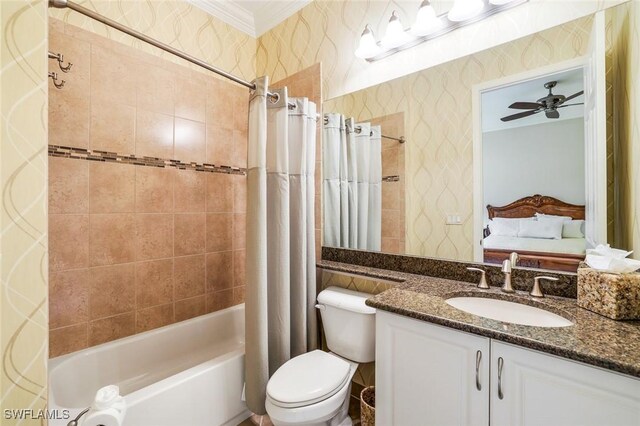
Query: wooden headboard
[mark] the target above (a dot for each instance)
(529, 206)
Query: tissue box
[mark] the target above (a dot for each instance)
(616, 296)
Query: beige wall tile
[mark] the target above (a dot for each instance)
(69, 120)
(154, 190)
(113, 77)
(219, 232)
(239, 194)
(239, 148)
(111, 238)
(111, 187)
(153, 236)
(219, 101)
(220, 150)
(67, 339)
(189, 140)
(189, 272)
(68, 242)
(155, 89)
(238, 295)
(68, 185)
(190, 99)
(189, 191)
(68, 298)
(150, 318)
(219, 271)
(154, 134)
(154, 283)
(220, 193)
(239, 258)
(239, 231)
(111, 290)
(189, 238)
(190, 308)
(219, 300)
(112, 127)
(112, 328)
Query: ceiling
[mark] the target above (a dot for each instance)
(495, 103)
(254, 17)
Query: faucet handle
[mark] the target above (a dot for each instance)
(483, 277)
(537, 291)
(506, 266)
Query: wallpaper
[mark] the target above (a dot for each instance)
(23, 212)
(623, 63)
(329, 31)
(438, 126)
(177, 23)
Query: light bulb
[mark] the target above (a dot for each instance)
(465, 9)
(368, 48)
(426, 20)
(499, 2)
(395, 35)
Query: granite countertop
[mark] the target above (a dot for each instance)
(593, 339)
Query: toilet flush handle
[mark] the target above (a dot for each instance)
(321, 307)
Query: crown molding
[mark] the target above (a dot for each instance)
(231, 13)
(253, 22)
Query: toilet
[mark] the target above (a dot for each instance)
(314, 388)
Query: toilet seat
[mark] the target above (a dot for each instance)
(308, 379)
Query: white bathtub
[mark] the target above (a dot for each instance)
(185, 374)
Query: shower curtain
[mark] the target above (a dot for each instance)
(280, 264)
(352, 184)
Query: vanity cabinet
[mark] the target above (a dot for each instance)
(429, 375)
(542, 389)
(432, 375)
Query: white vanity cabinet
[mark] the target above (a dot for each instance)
(542, 389)
(426, 374)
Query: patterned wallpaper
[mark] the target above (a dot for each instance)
(177, 23)
(623, 67)
(23, 213)
(438, 125)
(329, 31)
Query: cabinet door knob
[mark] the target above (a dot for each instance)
(478, 359)
(500, 365)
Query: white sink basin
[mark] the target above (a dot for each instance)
(505, 311)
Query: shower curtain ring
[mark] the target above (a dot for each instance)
(274, 97)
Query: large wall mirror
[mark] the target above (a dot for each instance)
(498, 152)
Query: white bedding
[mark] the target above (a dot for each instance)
(564, 245)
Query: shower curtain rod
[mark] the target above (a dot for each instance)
(61, 4)
(358, 129)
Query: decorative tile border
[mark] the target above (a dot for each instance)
(394, 178)
(96, 155)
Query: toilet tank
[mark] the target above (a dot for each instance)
(349, 324)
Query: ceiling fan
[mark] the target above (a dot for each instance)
(549, 104)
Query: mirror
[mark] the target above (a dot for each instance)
(435, 163)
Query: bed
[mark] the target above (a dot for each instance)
(564, 254)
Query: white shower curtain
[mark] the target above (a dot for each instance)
(280, 263)
(352, 178)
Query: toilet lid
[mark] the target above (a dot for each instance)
(307, 379)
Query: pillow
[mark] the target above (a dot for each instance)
(573, 229)
(542, 216)
(505, 227)
(550, 229)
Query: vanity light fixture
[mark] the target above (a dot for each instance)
(427, 21)
(395, 35)
(368, 48)
(428, 25)
(463, 10)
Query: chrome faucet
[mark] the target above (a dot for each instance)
(506, 268)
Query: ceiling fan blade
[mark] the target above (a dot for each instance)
(552, 114)
(519, 115)
(562, 106)
(525, 105)
(575, 95)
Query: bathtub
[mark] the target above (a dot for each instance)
(186, 374)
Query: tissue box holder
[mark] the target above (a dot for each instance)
(615, 296)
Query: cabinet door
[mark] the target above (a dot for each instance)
(541, 389)
(426, 374)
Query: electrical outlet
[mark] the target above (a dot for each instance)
(453, 219)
